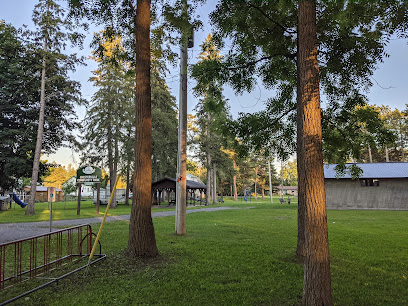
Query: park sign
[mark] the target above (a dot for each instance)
(89, 174)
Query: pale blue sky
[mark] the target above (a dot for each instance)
(390, 79)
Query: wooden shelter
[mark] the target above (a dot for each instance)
(164, 190)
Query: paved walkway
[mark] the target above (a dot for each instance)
(16, 231)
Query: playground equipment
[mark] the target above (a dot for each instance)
(18, 201)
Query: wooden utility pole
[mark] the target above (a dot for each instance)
(181, 185)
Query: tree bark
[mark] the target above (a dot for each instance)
(110, 146)
(270, 182)
(142, 240)
(387, 155)
(208, 190)
(235, 181)
(115, 167)
(370, 156)
(256, 176)
(317, 281)
(30, 210)
(127, 184)
(301, 244)
(214, 182)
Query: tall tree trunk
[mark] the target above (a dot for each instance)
(30, 210)
(270, 181)
(214, 182)
(129, 156)
(110, 146)
(256, 176)
(370, 156)
(115, 166)
(317, 281)
(235, 181)
(127, 183)
(142, 240)
(387, 155)
(209, 189)
(301, 243)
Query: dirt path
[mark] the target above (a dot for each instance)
(16, 231)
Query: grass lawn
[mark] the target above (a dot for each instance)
(68, 210)
(63, 211)
(244, 257)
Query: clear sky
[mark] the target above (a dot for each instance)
(390, 79)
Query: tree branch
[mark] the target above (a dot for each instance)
(270, 19)
(252, 63)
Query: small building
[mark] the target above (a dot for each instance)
(42, 193)
(164, 190)
(4, 202)
(380, 186)
(287, 190)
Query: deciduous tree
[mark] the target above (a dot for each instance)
(49, 19)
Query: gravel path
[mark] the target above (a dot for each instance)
(16, 231)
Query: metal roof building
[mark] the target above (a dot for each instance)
(372, 170)
(380, 186)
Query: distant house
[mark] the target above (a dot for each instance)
(287, 190)
(381, 186)
(42, 193)
(86, 191)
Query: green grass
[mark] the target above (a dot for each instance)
(68, 210)
(244, 257)
(63, 211)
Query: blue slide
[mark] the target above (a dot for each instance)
(18, 201)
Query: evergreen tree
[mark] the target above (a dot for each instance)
(106, 118)
(211, 111)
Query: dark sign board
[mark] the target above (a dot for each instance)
(89, 174)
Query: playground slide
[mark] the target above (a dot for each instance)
(18, 201)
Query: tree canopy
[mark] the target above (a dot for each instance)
(20, 69)
(263, 48)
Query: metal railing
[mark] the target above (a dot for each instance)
(28, 258)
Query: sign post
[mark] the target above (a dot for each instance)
(51, 198)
